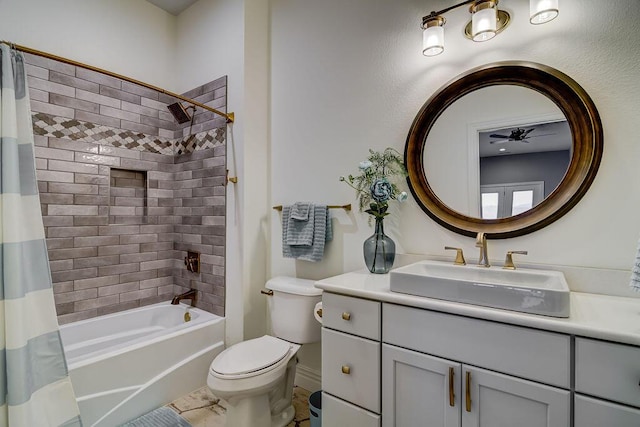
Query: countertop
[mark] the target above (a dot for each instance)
(605, 317)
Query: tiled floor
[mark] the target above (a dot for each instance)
(203, 409)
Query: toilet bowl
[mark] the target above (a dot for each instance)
(256, 377)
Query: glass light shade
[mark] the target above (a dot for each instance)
(541, 11)
(484, 24)
(433, 40)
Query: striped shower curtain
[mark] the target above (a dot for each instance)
(35, 389)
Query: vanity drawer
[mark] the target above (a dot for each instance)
(336, 413)
(351, 369)
(608, 370)
(351, 315)
(598, 413)
(528, 353)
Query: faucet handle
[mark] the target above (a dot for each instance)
(192, 261)
(508, 261)
(459, 255)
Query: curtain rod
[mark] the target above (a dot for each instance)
(230, 117)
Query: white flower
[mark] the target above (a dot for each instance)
(402, 197)
(365, 165)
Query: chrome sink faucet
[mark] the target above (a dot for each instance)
(481, 242)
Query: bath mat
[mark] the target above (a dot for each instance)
(161, 417)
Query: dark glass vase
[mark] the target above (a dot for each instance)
(379, 250)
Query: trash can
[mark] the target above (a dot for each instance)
(315, 409)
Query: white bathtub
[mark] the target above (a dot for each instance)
(125, 364)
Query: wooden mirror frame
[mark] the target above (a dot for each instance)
(586, 130)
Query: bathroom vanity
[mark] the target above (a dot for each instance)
(390, 359)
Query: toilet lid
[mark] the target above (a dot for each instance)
(250, 356)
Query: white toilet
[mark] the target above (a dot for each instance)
(255, 377)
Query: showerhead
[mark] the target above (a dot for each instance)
(179, 112)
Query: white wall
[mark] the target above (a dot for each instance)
(129, 37)
(348, 76)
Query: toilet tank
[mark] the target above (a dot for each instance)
(291, 309)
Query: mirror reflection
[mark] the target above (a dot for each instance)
(520, 166)
(497, 152)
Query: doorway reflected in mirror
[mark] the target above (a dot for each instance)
(520, 166)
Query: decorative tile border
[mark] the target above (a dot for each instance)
(82, 131)
(77, 130)
(201, 141)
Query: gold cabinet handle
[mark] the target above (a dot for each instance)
(346, 316)
(346, 369)
(452, 395)
(468, 391)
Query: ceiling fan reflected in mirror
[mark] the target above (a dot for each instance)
(517, 134)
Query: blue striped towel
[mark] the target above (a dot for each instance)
(300, 225)
(635, 272)
(322, 233)
(300, 211)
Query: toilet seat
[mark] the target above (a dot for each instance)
(250, 358)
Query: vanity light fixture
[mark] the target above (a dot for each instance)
(486, 21)
(433, 36)
(542, 11)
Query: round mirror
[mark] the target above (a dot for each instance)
(505, 149)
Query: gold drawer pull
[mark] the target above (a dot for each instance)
(346, 369)
(346, 316)
(468, 391)
(452, 395)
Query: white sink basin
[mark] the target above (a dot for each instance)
(530, 291)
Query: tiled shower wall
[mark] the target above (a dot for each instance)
(199, 200)
(114, 245)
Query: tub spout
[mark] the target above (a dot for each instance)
(190, 294)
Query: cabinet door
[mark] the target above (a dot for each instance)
(419, 390)
(495, 400)
(597, 413)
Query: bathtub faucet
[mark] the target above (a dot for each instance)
(190, 294)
